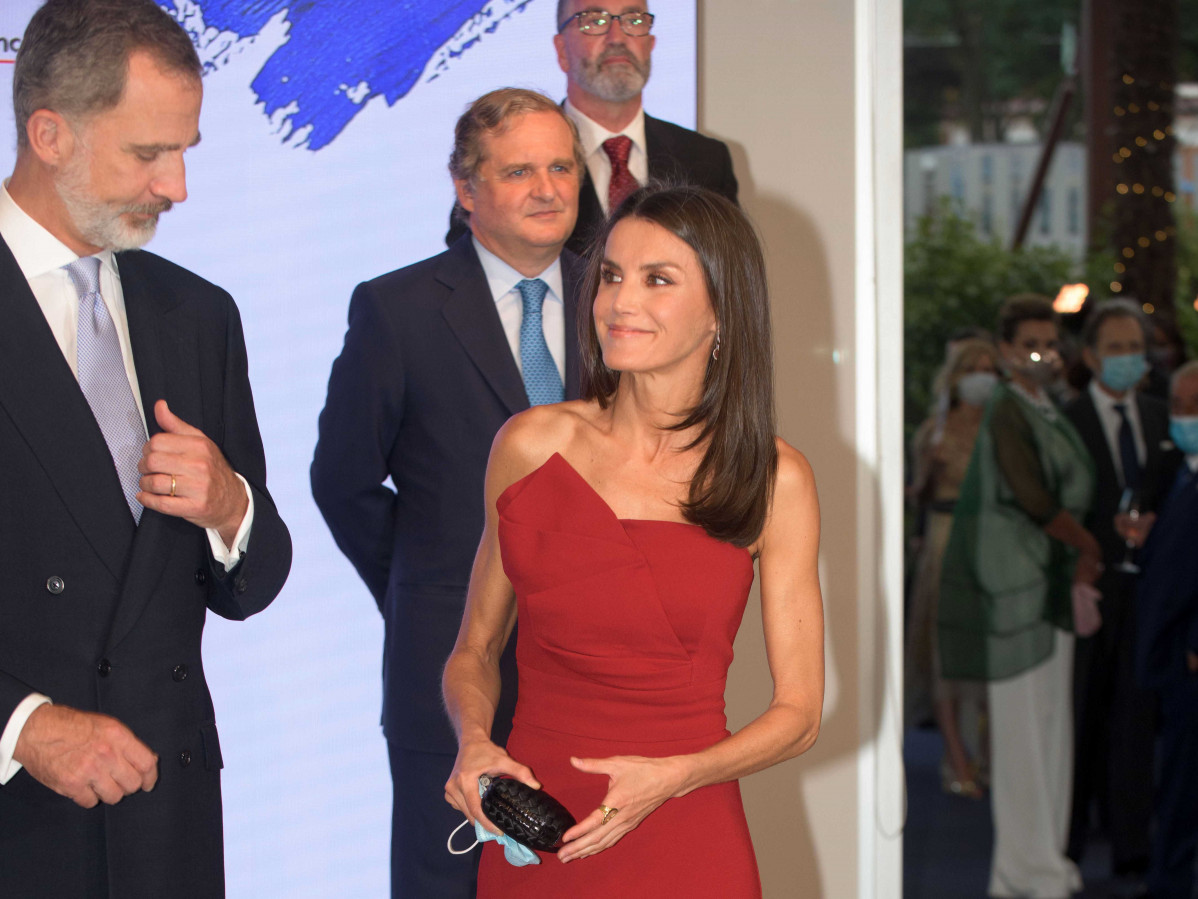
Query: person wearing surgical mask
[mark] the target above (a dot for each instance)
(1123, 429)
(942, 447)
(1016, 584)
(1167, 649)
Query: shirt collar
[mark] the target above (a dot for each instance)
(37, 251)
(592, 134)
(1106, 403)
(502, 278)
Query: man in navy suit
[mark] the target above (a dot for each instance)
(607, 58)
(1167, 651)
(115, 545)
(1123, 429)
(437, 357)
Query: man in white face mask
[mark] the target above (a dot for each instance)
(1123, 429)
(1167, 650)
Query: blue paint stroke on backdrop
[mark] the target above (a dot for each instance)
(339, 48)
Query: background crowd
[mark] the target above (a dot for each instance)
(1052, 634)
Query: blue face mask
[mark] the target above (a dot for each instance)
(516, 853)
(1183, 429)
(1122, 373)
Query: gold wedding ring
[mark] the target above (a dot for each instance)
(172, 485)
(608, 813)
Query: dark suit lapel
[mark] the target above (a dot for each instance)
(39, 393)
(661, 159)
(147, 308)
(1158, 468)
(470, 313)
(1093, 435)
(573, 271)
(590, 217)
(665, 156)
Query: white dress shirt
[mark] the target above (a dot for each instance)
(41, 257)
(592, 135)
(502, 279)
(1104, 403)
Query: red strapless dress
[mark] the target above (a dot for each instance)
(626, 632)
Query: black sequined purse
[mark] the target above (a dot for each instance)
(527, 815)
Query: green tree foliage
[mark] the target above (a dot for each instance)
(967, 60)
(955, 279)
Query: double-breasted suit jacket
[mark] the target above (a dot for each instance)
(106, 616)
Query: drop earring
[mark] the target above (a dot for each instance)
(715, 350)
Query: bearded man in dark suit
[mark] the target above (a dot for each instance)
(116, 545)
(607, 58)
(437, 357)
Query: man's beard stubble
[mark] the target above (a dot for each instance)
(101, 223)
(616, 84)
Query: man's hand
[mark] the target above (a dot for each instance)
(205, 492)
(86, 757)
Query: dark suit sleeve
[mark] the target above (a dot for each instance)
(357, 428)
(12, 693)
(727, 185)
(260, 574)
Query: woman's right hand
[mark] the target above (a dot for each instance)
(476, 758)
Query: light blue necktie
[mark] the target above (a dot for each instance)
(541, 378)
(103, 379)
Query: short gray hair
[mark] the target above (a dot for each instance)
(75, 55)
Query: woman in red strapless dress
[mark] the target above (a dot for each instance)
(622, 531)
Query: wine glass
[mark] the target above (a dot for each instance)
(1127, 526)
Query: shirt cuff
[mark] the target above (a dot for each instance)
(229, 557)
(12, 731)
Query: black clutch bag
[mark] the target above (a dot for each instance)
(528, 816)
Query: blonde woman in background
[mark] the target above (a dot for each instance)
(942, 448)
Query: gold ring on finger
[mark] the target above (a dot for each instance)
(172, 485)
(608, 813)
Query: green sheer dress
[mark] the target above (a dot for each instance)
(1006, 584)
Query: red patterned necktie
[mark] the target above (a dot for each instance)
(622, 183)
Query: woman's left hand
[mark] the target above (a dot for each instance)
(636, 786)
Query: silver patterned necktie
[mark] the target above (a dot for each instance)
(102, 377)
(541, 378)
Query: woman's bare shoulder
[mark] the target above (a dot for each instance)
(531, 437)
(795, 476)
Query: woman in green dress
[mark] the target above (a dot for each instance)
(1017, 582)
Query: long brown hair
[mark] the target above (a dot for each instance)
(730, 493)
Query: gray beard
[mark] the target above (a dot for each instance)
(617, 85)
(98, 222)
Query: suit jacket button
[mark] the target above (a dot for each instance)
(179, 673)
(55, 584)
(241, 585)
(104, 667)
(184, 758)
(201, 577)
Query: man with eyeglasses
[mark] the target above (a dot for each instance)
(605, 54)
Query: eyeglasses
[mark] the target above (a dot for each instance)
(598, 22)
